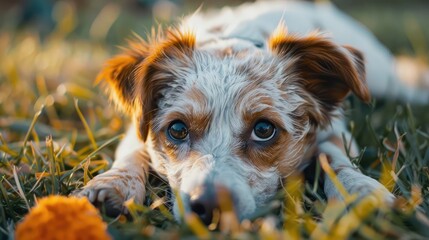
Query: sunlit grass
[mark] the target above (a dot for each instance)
(58, 130)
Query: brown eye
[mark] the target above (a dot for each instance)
(263, 131)
(177, 131)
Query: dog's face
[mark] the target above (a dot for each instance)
(227, 117)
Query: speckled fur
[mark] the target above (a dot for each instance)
(219, 87)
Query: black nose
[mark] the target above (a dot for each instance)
(204, 204)
(211, 199)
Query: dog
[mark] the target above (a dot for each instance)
(232, 102)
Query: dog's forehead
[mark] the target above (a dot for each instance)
(230, 69)
(220, 77)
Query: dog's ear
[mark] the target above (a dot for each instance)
(324, 69)
(136, 76)
(119, 74)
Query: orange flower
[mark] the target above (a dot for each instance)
(59, 217)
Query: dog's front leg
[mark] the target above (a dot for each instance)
(125, 180)
(349, 176)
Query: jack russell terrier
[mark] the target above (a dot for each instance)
(235, 101)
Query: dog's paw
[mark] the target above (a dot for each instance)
(109, 191)
(354, 181)
(358, 185)
(364, 186)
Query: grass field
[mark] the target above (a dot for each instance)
(58, 130)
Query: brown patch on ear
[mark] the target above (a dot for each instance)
(137, 76)
(358, 60)
(325, 70)
(155, 73)
(118, 73)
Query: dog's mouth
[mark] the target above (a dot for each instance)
(221, 192)
(218, 207)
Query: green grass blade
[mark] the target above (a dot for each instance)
(20, 191)
(86, 126)
(30, 130)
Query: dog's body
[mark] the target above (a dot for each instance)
(237, 107)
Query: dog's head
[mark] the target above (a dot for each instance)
(226, 116)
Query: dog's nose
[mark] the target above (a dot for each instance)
(204, 203)
(209, 199)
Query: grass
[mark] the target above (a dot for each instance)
(58, 130)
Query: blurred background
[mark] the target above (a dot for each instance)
(399, 24)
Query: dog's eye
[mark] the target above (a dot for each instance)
(263, 131)
(177, 130)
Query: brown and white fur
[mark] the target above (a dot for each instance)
(220, 78)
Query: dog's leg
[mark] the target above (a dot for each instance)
(125, 180)
(349, 176)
